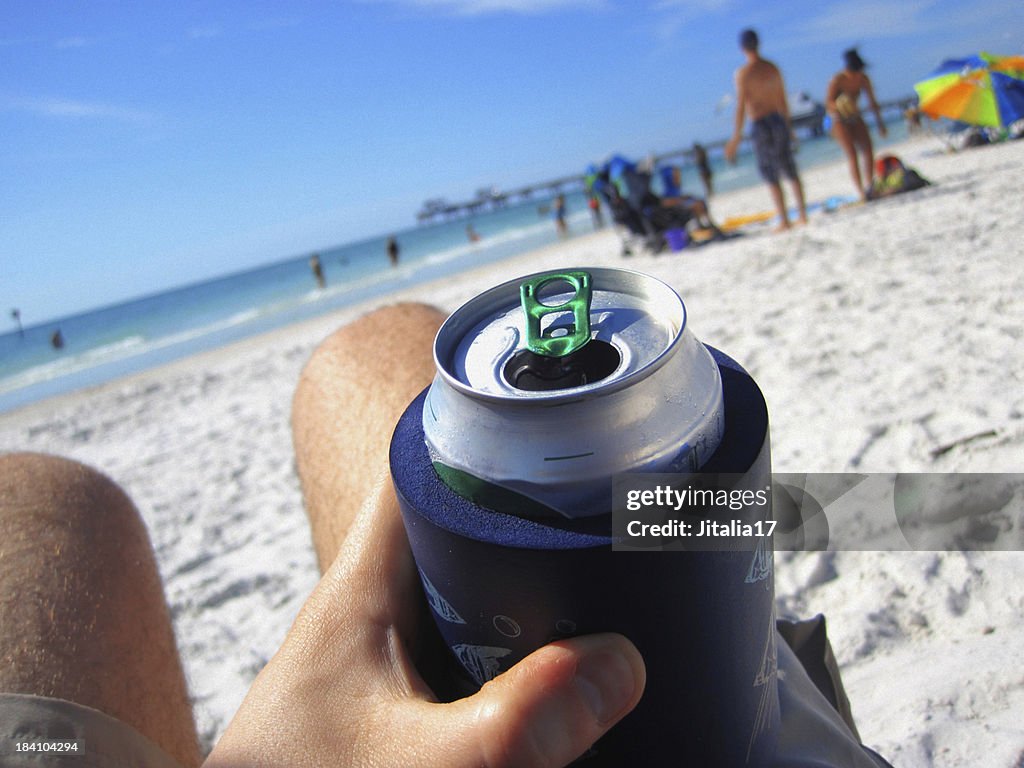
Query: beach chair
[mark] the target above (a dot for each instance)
(634, 232)
(641, 216)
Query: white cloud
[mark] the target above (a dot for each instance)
(850, 22)
(204, 32)
(693, 7)
(481, 7)
(73, 42)
(274, 23)
(74, 109)
(675, 15)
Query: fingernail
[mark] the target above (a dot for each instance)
(607, 683)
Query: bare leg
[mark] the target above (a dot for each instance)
(869, 165)
(700, 209)
(348, 400)
(801, 203)
(846, 141)
(82, 610)
(862, 141)
(779, 200)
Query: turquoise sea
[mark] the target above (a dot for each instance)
(109, 342)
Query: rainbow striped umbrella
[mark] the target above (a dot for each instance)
(980, 90)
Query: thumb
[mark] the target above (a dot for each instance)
(552, 706)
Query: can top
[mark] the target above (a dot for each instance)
(640, 317)
(527, 400)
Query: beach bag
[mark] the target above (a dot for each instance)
(893, 177)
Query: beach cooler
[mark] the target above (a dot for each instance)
(677, 239)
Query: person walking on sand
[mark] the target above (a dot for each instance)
(848, 126)
(392, 248)
(761, 94)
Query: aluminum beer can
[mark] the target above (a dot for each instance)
(546, 388)
(644, 394)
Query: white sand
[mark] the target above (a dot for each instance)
(881, 335)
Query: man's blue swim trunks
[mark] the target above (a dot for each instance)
(771, 138)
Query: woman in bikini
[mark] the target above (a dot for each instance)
(848, 127)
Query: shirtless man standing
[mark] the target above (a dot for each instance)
(761, 93)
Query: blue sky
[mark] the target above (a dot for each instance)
(147, 145)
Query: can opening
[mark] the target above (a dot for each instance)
(528, 371)
(559, 353)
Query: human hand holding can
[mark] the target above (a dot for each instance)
(547, 388)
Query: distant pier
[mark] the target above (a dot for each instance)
(491, 199)
(810, 120)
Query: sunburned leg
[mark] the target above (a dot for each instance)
(348, 400)
(82, 610)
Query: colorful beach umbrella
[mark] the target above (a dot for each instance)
(981, 90)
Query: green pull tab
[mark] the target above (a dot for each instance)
(546, 344)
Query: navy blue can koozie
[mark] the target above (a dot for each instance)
(513, 555)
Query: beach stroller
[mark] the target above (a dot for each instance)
(638, 212)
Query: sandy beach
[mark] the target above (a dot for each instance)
(886, 337)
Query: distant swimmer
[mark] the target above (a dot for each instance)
(913, 117)
(559, 214)
(848, 126)
(471, 234)
(317, 269)
(392, 249)
(761, 94)
(57, 339)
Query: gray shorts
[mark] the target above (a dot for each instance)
(771, 136)
(103, 741)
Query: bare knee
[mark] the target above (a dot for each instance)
(348, 400)
(58, 512)
(384, 332)
(31, 483)
(384, 357)
(82, 611)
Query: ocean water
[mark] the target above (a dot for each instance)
(110, 342)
